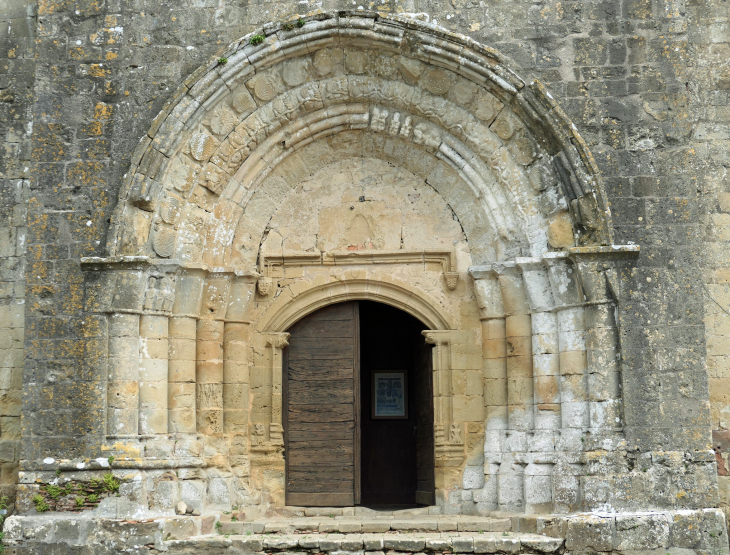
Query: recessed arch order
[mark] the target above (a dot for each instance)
(237, 136)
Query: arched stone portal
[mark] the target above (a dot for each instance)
(363, 156)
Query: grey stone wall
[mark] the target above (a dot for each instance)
(645, 81)
(17, 66)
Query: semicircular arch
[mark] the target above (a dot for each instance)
(435, 93)
(284, 313)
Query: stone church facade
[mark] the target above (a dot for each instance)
(541, 188)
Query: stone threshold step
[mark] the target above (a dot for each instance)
(292, 511)
(351, 525)
(409, 543)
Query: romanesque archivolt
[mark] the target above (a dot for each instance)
(239, 123)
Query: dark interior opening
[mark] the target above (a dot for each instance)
(397, 457)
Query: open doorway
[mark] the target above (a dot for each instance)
(397, 441)
(358, 409)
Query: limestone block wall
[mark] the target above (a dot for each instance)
(711, 139)
(17, 65)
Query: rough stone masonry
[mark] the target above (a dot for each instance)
(543, 184)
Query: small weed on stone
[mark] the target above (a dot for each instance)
(40, 503)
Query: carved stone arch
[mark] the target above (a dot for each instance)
(233, 125)
(282, 315)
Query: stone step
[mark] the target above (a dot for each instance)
(410, 542)
(231, 524)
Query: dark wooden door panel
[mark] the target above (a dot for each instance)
(324, 392)
(320, 414)
(329, 349)
(329, 369)
(321, 408)
(325, 328)
(334, 430)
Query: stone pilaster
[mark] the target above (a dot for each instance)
(277, 342)
(448, 434)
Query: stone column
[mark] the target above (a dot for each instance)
(568, 300)
(209, 376)
(571, 338)
(518, 333)
(520, 390)
(441, 383)
(153, 373)
(181, 374)
(494, 355)
(209, 366)
(546, 380)
(183, 351)
(277, 342)
(235, 357)
(599, 281)
(123, 382)
(236, 379)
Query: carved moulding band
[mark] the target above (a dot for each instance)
(125, 286)
(446, 259)
(595, 269)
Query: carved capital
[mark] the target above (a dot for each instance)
(215, 296)
(277, 340)
(437, 337)
(488, 292)
(537, 284)
(563, 279)
(160, 294)
(597, 270)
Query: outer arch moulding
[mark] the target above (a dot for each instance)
(537, 111)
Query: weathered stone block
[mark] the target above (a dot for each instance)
(178, 528)
(590, 532)
(641, 532)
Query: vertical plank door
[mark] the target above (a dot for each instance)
(321, 411)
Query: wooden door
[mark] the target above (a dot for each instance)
(321, 391)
